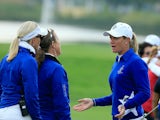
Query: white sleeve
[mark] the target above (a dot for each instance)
(154, 68)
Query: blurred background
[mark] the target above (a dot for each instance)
(86, 54)
(94, 16)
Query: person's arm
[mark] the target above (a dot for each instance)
(155, 100)
(86, 103)
(103, 101)
(0, 81)
(154, 68)
(30, 85)
(139, 73)
(1, 72)
(156, 97)
(60, 93)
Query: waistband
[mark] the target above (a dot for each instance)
(139, 118)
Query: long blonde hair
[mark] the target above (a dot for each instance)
(134, 43)
(153, 53)
(24, 29)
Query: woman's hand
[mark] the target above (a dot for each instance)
(121, 110)
(84, 104)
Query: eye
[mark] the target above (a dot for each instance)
(115, 38)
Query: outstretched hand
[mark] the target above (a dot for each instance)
(84, 104)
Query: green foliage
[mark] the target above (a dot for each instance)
(136, 2)
(20, 11)
(142, 17)
(93, 20)
(142, 22)
(88, 67)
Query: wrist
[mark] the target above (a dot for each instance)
(94, 102)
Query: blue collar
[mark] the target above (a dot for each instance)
(126, 55)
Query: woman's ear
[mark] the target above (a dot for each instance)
(127, 40)
(53, 44)
(31, 42)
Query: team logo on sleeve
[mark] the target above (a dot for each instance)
(64, 90)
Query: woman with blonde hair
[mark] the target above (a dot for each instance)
(129, 84)
(19, 76)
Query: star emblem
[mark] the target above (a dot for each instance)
(124, 100)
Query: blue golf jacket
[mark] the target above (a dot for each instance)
(53, 90)
(129, 84)
(20, 74)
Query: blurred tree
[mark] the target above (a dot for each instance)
(20, 10)
(123, 2)
(138, 4)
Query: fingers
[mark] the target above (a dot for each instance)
(84, 104)
(85, 100)
(78, 108)
(121, 110)
(119, 116)
(81, 100)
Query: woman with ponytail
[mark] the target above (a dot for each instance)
(52, 80)
(19, 76)
(128, 79)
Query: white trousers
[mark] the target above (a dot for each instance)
(12, 113)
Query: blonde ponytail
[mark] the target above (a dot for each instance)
(24, 29)
(13, 50)
(134, 43)
(153, 53)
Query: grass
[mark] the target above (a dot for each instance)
(4, 50)
(88, 67)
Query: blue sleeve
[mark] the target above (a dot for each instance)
(1, 62)
(30, 84)
(159, 107)
(60, 92)
(103, 101)
(0, 81)
(139, 74)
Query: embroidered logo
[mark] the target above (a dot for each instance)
(120, 71)
(64, 90)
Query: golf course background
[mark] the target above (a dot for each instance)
(88, 66)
